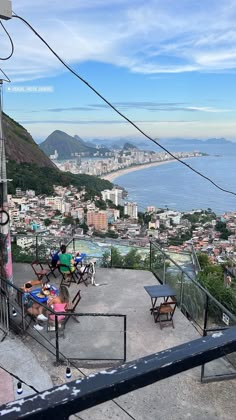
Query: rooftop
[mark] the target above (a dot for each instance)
(121, 291)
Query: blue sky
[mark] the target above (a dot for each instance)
(169, 65)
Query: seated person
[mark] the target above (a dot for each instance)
(55, 258)
(33, 308)
(66, 259)
(59, 303)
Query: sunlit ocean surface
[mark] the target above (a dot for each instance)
(176, 187)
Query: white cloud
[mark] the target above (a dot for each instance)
(140, 36)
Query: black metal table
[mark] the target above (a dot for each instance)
(159, 291)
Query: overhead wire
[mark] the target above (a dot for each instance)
(12, 45)
(119, 112)
(7, 78)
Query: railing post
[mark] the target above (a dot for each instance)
(125, 343)
(164, 272)
(57, 339)
(111, 256)
(150, 256)
(205, 332)
(73, 244)
(181, 289)
(36, 244)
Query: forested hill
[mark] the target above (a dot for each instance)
(29, 168)
(20, 146)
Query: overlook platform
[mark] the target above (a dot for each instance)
(122, 291)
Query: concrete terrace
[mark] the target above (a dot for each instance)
(122, 291)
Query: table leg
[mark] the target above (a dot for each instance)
(153, 302)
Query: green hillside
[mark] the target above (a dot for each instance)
(29, 176)
(29, 168)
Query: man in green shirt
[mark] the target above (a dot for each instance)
(67, 260)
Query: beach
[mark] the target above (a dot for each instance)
(113, 175)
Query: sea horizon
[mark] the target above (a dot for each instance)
(178, 188)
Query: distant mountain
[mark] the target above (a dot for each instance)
(128, 146)
(217, 141)
(29, 168)
(67, 146)
(178, 141)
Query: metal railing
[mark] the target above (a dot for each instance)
(207, 314)
(81, 337)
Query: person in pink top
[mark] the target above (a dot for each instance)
(59, 303)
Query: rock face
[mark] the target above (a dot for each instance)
(20, 146)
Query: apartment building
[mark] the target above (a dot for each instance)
(131, 209)
(98, 219)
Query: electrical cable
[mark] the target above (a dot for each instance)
(20, 380)
(12, 45)
(117, 111)
(5, 80)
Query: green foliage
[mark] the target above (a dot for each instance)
(69, 220)
(99, 234)
(101, 204)
(106, 259)
(116, 258)
(131, 260)
(200, 217)
(47, 222)
(110, 204)
(180, 239)
(203, 260)
(84, 226)
(212, 278)
(221, 227)
(112, 234)
(42, 179)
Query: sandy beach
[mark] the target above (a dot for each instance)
(113, 175)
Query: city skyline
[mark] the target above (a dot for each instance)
(168, 66)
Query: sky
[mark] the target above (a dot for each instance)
(170, 66)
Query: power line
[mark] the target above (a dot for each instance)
(7, 78)
(118, 112)
(12, 45)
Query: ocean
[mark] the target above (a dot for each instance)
(174, 186)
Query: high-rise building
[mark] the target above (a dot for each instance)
(115, 195)
(131, 209)
(98, 219)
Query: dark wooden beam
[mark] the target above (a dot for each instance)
(62, 401)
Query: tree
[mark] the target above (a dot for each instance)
(132, 259)
(116, 258)
(101, 204)
(106, 259)
(112, 234)
(47, 222)
(69, 220)
(84, 226)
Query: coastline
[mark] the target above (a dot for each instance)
(113, 175)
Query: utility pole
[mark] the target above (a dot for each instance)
(5, 240)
